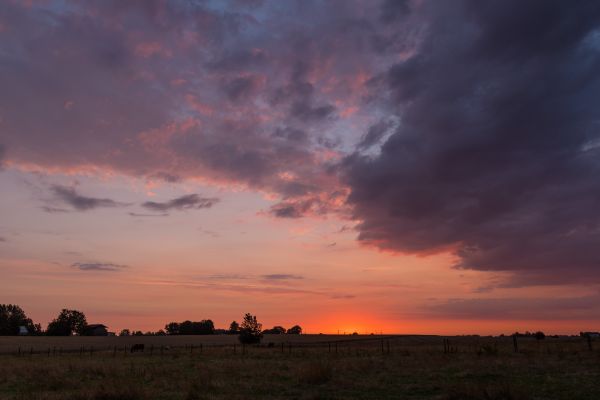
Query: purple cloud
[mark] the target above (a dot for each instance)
(190, 201)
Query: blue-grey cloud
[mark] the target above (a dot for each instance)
(133, 214)
(68, 195)
(189, 201)
(98, 266)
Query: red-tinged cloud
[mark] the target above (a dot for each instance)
(470, 127)
(164, 88)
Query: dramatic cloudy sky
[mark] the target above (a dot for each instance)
(396, 165)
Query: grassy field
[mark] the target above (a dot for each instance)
(314, 367)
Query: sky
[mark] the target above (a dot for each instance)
(395, 166)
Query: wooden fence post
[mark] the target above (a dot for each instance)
(515, 344)
(19, 351)
(589, 341)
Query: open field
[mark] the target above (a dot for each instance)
(400, 367)
(10, 344)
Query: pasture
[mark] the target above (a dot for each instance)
(298, 367)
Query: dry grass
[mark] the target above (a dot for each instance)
(415, 368)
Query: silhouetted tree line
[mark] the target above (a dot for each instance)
(539, 335)
(73, 322)
(204, 327)
(280, 330)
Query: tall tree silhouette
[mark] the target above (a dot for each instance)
(250, 330)
(67, 323)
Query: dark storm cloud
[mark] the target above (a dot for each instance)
(392, 10)
(496, 155)
(97, 266)
(189, 201)
(69, 195)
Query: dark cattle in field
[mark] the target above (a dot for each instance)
(137, 347)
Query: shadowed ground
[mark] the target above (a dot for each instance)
(403, 367)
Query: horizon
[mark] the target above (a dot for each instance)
(356, 166)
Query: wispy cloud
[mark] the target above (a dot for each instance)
(98, 266)
(69, 196)
(54, 210)
(190, 201)
(133, 214)
(228, 276)
(281, 277)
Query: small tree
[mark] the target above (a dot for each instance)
(125, 332)
(250, 330)
(539, 335)
(295, 330)
(234, 328)
(67, 323)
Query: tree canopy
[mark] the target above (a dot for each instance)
(276, 330)
(204, 327)
(295, 330)
(67, 323)
(12, 317)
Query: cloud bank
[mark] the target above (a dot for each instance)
(469, 127)
(495, 157)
